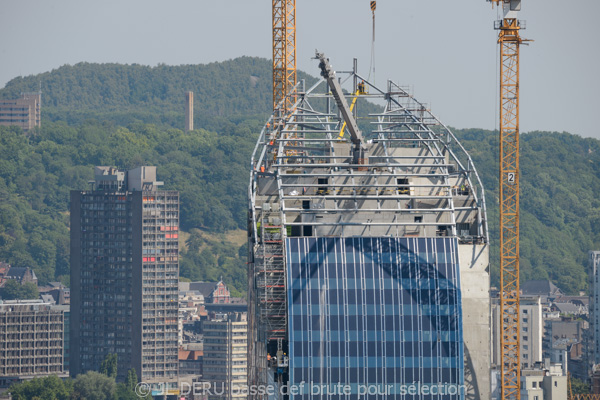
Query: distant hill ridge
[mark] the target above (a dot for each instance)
(129, 115)
(239, 86)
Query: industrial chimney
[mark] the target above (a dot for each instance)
(189, 111)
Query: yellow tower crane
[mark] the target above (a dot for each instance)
(509, 41)
(284, 53)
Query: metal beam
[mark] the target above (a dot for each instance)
(328, 73)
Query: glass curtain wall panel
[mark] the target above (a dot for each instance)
(374, 318)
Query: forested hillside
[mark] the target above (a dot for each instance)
(560, 207)
(239, 87)
(38, 171)
(129, 115)
(125, 94)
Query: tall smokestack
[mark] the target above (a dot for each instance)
(189, 111)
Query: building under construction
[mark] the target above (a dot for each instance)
(368, 249)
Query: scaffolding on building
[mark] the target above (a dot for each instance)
(270, 273)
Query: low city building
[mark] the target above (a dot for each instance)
(190, 362)
(66, 310)
(32, 341)
(22, 275)
(542, 288)
(553, 326)
(569, 309)
(213, 292)
(532, 331)
(544, 381)
(225, 356)
(59, 292)
(24, 112)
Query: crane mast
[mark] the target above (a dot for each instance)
(284, 53)
(509, 41)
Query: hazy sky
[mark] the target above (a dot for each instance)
(445, 51)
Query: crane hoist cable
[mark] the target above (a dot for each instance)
(372, 66)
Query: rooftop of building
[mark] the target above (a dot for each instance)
(18, 273)
(190, 355)
(28, 97)
(569, 308)
(47, 298)
(233, 316)
(582, 300)
(205, 289)
(8, 306)
(326, 171)
(542, 287)
(112, 179)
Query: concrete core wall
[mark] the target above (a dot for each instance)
(475, 287)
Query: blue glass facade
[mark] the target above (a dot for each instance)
(374, 318)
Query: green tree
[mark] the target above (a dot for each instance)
(13, 290)
(132, 379)
(109, 365)
(578, 386)
(50, 388)
(126, 115)
(124, 393)
(94, 386)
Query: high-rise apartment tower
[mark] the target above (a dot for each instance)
(124, 276)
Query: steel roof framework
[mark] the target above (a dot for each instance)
(304, 147)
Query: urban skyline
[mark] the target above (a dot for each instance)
(368, 255)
